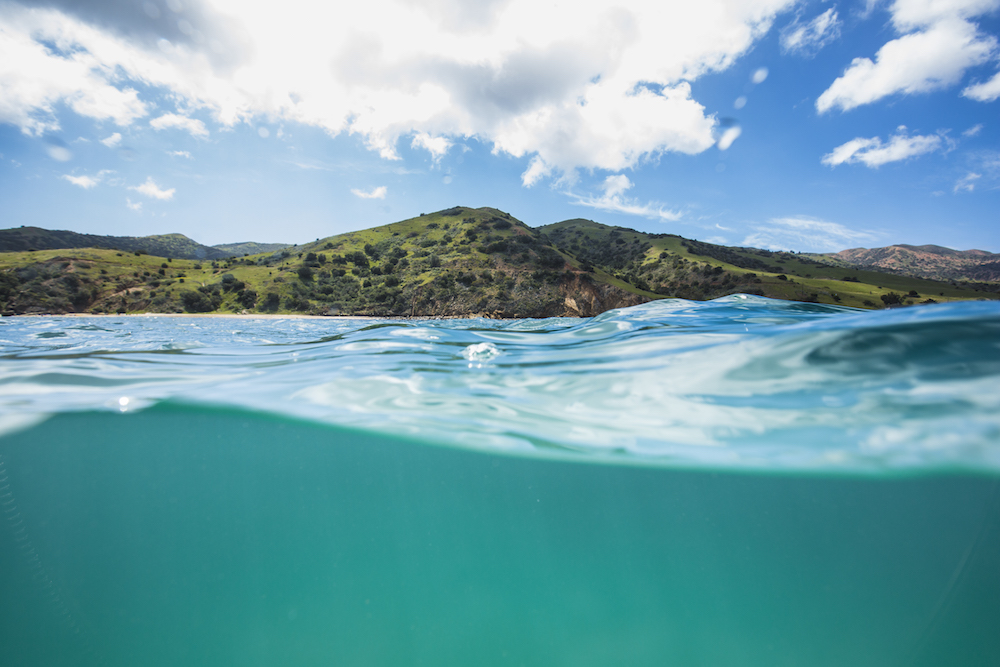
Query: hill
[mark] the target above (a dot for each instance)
(453, 263)
(926, 261)
(669, 265)
(457, 262)
(22, 239)
(249, 248)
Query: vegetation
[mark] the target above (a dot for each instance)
(457, 262)
(670, 265)
(164, 245)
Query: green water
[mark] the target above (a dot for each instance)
(183, 536)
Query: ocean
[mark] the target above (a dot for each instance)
(737, 482)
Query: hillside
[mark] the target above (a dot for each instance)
(672, 266)
(249, 248)
(458, 262)
(927, 261)
(22, 239)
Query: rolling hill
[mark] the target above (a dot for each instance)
(21, 239)
(453, 263)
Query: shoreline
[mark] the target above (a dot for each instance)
(278, 316)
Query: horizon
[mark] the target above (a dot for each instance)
(800, 126)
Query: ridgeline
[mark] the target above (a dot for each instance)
(460, 262)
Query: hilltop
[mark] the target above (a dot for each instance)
(456, 262)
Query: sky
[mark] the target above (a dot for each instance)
(808, 126)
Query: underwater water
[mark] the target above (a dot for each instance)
(738, 482)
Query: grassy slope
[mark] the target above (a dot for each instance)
(163, 245)
(456, 262)
(699, 270)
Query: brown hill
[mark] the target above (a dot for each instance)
(926, 261)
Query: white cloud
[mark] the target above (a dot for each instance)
(729, 135)
(172, 120)
(85, 182)
(938, 45)
(34, 79)
(135, 206)
(973, 131)
(613, 201)
(808, 38)
(113, 140)
(436, 146)
(601, 85)
(967, 183)
(374, 193)
(987, 91)
(919, 62)
(873, 153)
(806, 234)
(184, 154)
(152, 190)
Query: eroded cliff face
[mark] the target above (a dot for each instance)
(585, 298)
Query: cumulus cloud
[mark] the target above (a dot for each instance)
(113, 140)
(153, 191)
(171, 120)
(808, 38)
(973, 131)
(436, 146)
(806, 234)
(987, 91)
(604, 85)
(938, 45)
(613, 200)
(135, 206)
(873, 153)
(184, 154)
(375, 193)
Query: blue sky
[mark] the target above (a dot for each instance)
(811, 126)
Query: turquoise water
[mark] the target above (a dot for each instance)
(739, 482)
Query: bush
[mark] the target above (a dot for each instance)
(271, 301)
(305, 274)
(196, 302)
(891, 299)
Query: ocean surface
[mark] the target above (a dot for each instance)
(737, 482)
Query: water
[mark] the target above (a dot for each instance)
(739, 482)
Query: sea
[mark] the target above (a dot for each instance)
(739, 482)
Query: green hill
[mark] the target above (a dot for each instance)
(249, 248)
(670, 265)
(458, 262)
(21, 239)
(453, 263)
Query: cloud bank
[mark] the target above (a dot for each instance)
(604, 85)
